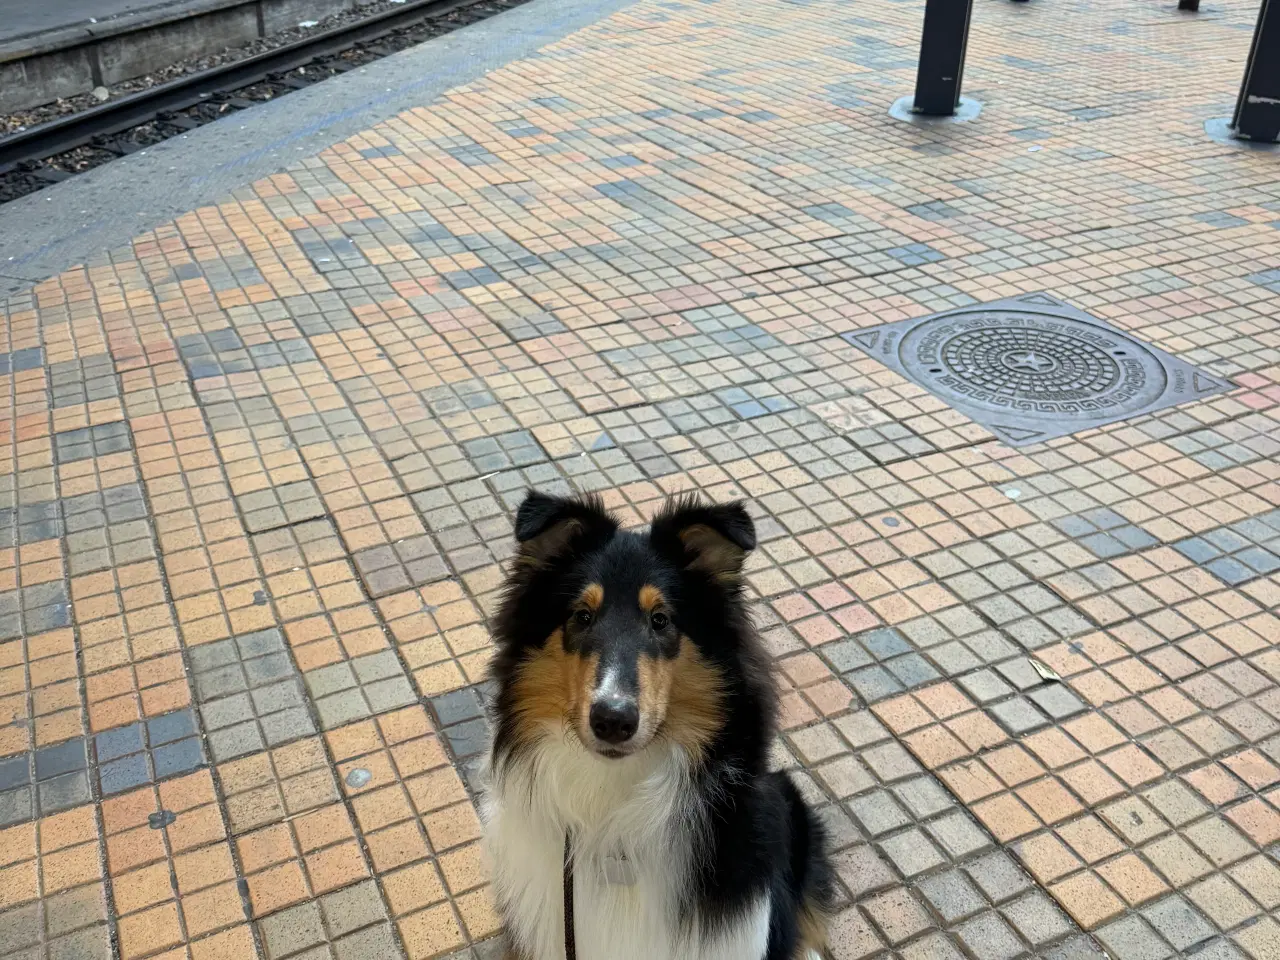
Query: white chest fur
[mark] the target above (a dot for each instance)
(638, 808)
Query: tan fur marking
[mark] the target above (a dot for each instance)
(553, 686)
(651, 598)
(694, 700)
(592, 596)
(813, 931)
(713, 553)
(655, 675)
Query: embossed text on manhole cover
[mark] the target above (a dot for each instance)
(1033, 368)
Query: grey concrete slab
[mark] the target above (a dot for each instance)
(79, 220)
(19, 18)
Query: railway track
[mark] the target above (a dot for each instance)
(59, 149)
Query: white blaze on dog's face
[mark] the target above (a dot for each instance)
(623, 665)
(630, 647)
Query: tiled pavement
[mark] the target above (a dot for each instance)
(259, 468)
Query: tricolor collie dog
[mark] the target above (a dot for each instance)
(628, 778)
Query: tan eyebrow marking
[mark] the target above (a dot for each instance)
(651, 598)
(592, 596)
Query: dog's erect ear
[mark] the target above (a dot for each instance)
(547, 526)
(713, 538)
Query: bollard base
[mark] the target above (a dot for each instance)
(902, 109)
(1220, 130)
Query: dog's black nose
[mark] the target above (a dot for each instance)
(614, 720)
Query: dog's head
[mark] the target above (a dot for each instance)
(622, 638)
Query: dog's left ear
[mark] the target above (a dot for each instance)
(547, 527)
(712, 537)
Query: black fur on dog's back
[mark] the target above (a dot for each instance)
(754, 833)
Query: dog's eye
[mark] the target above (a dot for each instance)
(659, 620)
(582, 618)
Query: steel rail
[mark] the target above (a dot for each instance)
(79, 129)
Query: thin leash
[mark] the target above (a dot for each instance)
(570, 944)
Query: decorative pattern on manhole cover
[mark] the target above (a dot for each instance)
(1033, 368)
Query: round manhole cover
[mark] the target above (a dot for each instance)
(1032, 368)
(1014, 360)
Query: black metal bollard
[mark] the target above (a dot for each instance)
(942, 47)
(1192, 5)
(1257, 115)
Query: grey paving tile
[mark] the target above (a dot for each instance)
(250, 695)
(414, 561)
(1037, 918)
(988, 937)
(292, 930)
(998, 876)
(17, 806)
(66, 790)
(1131, 936)
(352, 908)
(1180, 924)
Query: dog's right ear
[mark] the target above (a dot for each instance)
(546, 527)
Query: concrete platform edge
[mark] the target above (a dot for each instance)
(85, 31)
(73, 222)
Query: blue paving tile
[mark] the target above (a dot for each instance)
(1135, 538)
(63, 758)
(174, 758)
(1225, 540)
(1230, 570)
(1267, 278)
(457, 707)
(19, 360)
(1021, 63)
(913, 670)
(125, 774)
(934, 210)
(874, 683)
(15, 771)
(884, 643)
(1074, 526)
(1221, 219)
(847, 95)
(1197, 550)
(846, 655)
(1259, 560)
(1254, 529)
(914, 254)
(170, 726)
(467, 739)
(119, 742)
(474, 155)
(1104, 518)
(1103, 546)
